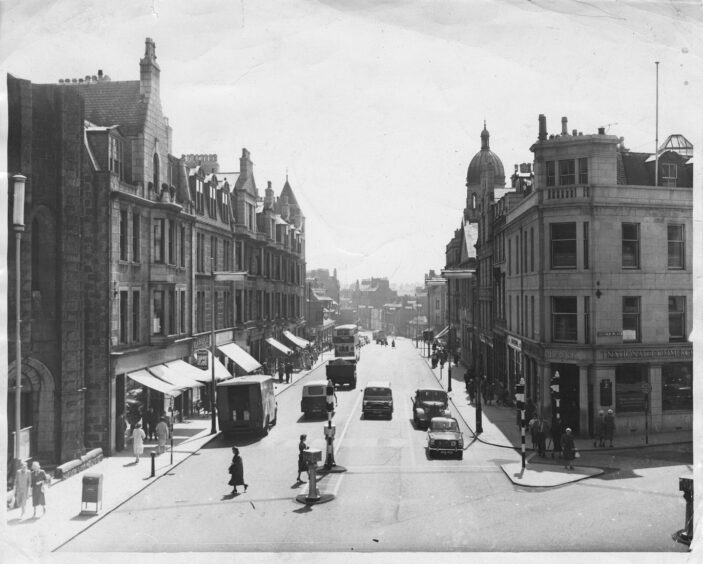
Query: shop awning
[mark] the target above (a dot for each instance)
(442, 333)
(280, 346)
(171, 376)
(240, 357)
(192, 372)
(299, 341)
(221, 372)
(150, 381)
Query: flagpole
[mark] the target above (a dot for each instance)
(656, 132)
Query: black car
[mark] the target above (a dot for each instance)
(429, 403)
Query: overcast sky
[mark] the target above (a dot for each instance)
(375, 108)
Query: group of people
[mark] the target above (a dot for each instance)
(157, 428)
(236, 467)
(487, 388)
(35, 480)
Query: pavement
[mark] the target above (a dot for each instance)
(500, 429)
(28, 538)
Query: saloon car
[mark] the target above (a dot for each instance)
(429, 403)
(444, 437)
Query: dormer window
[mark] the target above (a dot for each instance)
(668, 174)
(212, 204)
(115, 157)
(199, 196)
(224, 205)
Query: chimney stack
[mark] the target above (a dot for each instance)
(542, 128)
(601, 131)
(564, 130)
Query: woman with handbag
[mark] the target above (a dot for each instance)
(568, 449)
(40, 481)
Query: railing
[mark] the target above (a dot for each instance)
(568, 192)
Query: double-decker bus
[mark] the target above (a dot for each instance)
(345, 339)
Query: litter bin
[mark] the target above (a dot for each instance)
(92, 492)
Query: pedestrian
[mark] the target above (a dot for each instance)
(456, 359)
(236, 470)
(121, 430)
(280, 371)
(162, 434)
(289, 371)
(152, 419)
(472, 390)
(435, 359)
(530, 409)
(532, 426)
(334, 392)
(556, 435)
(599, 437)
(302, 465)
(568, 449)
(40, 481)
(489, 393)
(23, 481)
(138, 436)
(541, 436)
(467, 380)
(609, 426)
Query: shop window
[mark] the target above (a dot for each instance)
(563, 244)
(677, 319)
(676, 246)
(182, 253)
(587, 319)
(136, 315)
(585, 245)
(677, 386)
(564, 319)
(629, 396)
(631, 328)
(630, 245)
(668, 174)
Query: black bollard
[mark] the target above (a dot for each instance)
(153, 464)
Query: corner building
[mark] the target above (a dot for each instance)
(594, 280)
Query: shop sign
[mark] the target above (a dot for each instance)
(514, 342)
(648, 354)
(609, 333)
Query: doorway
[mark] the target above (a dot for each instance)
(569, 408)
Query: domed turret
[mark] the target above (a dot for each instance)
(482, 159)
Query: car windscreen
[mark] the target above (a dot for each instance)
(444, 426)
(315, 390)
(433, 395)
(377, 392)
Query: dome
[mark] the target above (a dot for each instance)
(481, 159)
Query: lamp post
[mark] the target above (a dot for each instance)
(450, 274)
(217, 277)
(18, 226)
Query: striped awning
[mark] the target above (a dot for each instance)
(298, 341)
(240, 357)
(171, 376)
(151, 381)
(280, 346)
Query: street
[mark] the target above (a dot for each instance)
(392, 497)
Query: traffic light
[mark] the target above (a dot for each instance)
(554, 385)
(520, 394)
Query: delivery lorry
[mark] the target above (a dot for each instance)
(246, 403)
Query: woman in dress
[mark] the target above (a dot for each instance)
(40, 482)
(138, 436)
(23, 481)
(568, 449)
(302, 465)
(236, 470)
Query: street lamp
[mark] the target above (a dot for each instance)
(217, 277)
(18, 226)
(450, 274)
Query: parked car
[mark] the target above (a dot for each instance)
(429, 403)
(377, 400)
(314, 398)
(444, 437)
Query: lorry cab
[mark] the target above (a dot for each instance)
(246, 403)
(377, 400)
(314, 398)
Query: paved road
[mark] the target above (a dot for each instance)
(392, 498)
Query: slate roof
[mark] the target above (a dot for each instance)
(288, 191)
(114, 103)
(635, 169)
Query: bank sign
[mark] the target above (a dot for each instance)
(648, 354)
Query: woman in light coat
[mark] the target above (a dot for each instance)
(162, 435)
(138, 436)
(40, 481)
(23, 481)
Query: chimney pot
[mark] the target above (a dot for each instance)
(542, 128)
(100, 73)
(564, 130)
(60, 80)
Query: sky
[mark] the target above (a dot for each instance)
(374, 109)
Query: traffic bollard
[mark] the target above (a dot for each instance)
(153, 464)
